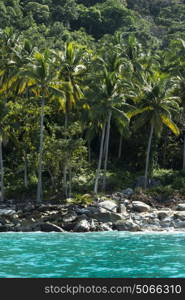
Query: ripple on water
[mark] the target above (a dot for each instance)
(106, 254)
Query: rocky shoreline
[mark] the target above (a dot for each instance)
(115, 212)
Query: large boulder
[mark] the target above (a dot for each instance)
(178, 224)
(107, 217)
(82, 226)
(127, 225)
(70, 217)
(6, 227)
(104, 227)
(181, 207)
(162, 214)
(49, 227)
(140, 206)
(179, 215)
(167, 222)
(7, 212)
(107, 205)
(128, 192)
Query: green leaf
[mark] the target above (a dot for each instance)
(170, 124)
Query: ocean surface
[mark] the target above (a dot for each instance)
(92, 255)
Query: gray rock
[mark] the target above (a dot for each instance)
(181, 207)
(49, 227)
(7, 212)
(107, 205)
(70, 217)
(121, 208)
(140, 206)
(127, 225)
(104, 227)
(128, 192)
(162, 214)
(179, 224)
(107, 217)
(6, 227)
(179, 215)
(82, 226)
(167, 222)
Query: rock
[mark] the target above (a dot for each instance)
(104, 227)
(49, 227)
(47, 207)
(7, 212)
(121, 208)
(167, 222)
(70, 217)
(179, 215)
(82, 226)
(127, 225)
(163, 214)
(107, 205)
(128, 192)
(140, 206)
(7, 227)
(179, 224)
(181, 207)
(107, 217)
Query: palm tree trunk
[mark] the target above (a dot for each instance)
(39, 185)
(25, 172)
(184, 153)
(2, 170)
(65, 182)
(120, 146)
(100, 161)
(89, 152)
(148, 155)
(70, 182)
(106, 149)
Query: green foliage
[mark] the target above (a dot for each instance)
(87, 59)
(80, 199)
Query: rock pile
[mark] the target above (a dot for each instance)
(114, 213)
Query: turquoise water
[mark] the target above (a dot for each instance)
(92, 255)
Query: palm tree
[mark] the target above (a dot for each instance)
(175, 64)
(109, 98)
(155, 104)
(39, 76)
(71, 71)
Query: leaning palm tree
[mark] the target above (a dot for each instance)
(155, 105)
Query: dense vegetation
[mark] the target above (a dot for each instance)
(91, 96)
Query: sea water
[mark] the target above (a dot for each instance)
(92, 255)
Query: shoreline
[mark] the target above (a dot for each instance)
(107, 214)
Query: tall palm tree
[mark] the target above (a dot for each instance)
(39, 76)
(109, 98)
(155, 105)
(71, 71)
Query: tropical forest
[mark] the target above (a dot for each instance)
(92, 97)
